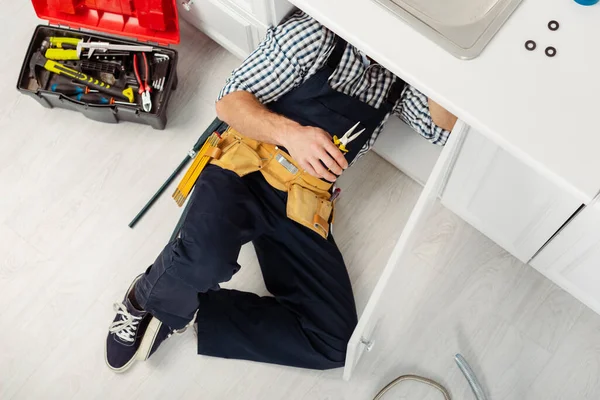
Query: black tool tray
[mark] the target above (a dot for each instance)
(39, 87)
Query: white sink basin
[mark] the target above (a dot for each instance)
(463, 27)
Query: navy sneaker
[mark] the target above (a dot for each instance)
(133, 335)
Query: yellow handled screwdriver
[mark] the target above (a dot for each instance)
(91, 82)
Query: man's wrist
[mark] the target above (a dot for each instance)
(283, 130)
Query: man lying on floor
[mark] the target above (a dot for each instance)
(272, 186)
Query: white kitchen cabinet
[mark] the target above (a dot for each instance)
(237, 25)
(268, 12)
(572, 258)
(505, 199)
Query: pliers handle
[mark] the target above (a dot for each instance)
(144, 89)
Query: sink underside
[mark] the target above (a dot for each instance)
(462, 27)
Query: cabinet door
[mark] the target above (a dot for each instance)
(572, 258)
(365, 334)
(269, 12)
(224, 25)
(505, 199)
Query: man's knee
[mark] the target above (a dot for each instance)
(202, 263)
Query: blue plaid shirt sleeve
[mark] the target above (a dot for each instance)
(413, 109)
(280, 62)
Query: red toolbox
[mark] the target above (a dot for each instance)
(90, 65)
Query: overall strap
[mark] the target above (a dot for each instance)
(395, 92)
(336, 54)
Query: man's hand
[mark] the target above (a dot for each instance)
(309, 146)
(314, 150)
(441, 117)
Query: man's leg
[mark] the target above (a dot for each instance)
(223, 215)
(309, 320)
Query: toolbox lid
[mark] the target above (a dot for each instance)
(147, 20)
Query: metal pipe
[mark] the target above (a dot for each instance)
(471, 377)
(214, 126)
(159, 192)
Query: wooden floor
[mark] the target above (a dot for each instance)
(69, 187)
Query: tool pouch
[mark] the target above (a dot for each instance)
(308, 197)
(310, 210)
(237, 155)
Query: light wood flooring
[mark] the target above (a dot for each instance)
(69, 186)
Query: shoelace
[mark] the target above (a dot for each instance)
(127, 326)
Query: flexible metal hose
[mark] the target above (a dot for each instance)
(416, 378)
(471, 378)
(465, 368)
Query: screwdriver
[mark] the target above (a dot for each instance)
(71, 90)
(95, 98)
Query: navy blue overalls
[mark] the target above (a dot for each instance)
(311, 315)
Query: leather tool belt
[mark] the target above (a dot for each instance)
(308, 197)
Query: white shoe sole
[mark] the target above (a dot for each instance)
(143, 351)
(148, 340)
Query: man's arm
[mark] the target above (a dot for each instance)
(425, 116)
(276, 67)
(311, 147)
(251, 118)
(440, 116)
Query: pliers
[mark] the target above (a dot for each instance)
(144, 90)
(347, 138)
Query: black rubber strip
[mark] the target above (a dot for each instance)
(553, 25)
(530, 45)
(550, 51)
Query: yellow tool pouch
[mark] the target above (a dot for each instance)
(238, 154)
(308, 197)
(309, 209)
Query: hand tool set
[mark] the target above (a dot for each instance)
(107, 78)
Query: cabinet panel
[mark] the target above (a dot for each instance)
(267, 12)
(279, 10)
(237, 25)
(224, 25)
(505, 199)
(244, 4)
(572, 258)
